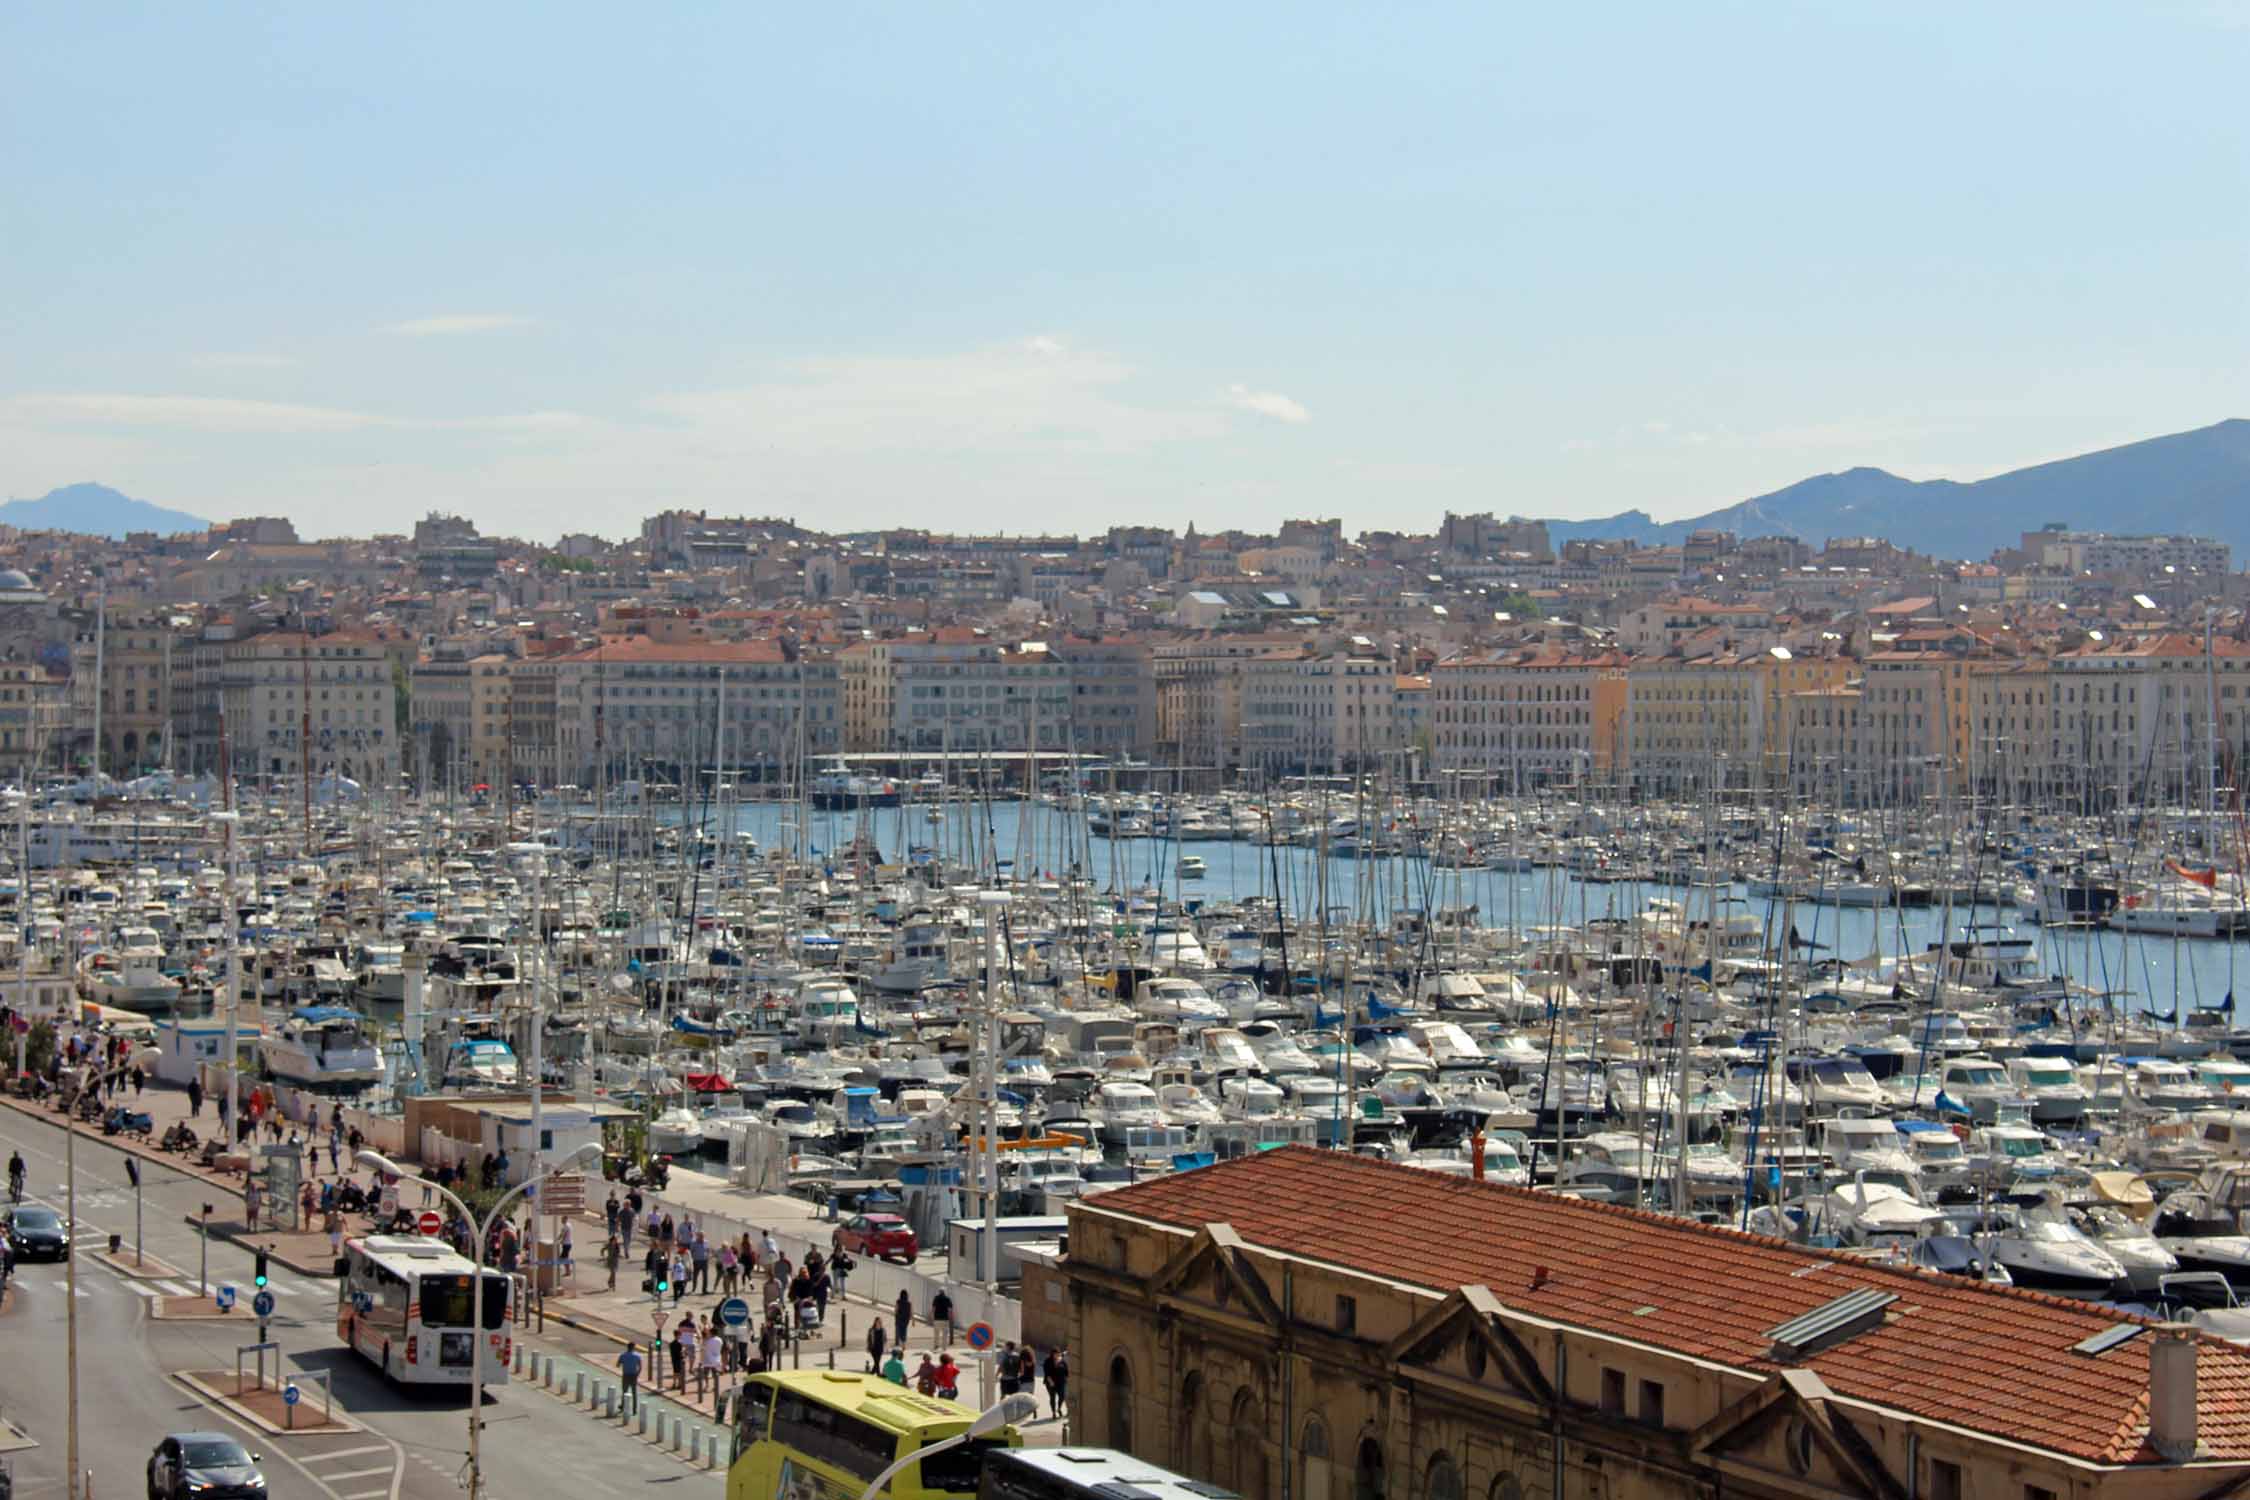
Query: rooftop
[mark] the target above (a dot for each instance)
(1993, 1360)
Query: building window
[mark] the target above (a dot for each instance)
(1347, 1314)
(1367, 1471)
(1312, 1447)
(1945, 1480)
(1444, 1481)
(1652, 1402)
(2037, 1492)
(1613, 1392)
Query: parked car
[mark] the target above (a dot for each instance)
(884, 1236)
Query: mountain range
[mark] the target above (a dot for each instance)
(2193, 483)
(96, 510)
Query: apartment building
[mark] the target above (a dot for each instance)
(1318, 711)
(1198, 685)
(34, 708)
(1112, 702)
(313, 704)
(635, 701)
(1537, 715)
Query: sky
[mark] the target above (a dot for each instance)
(1060, 267)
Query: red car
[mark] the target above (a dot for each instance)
(884, 1236)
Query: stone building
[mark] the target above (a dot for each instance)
(1311, 1325)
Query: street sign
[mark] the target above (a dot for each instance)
(226, 1297)
(429, 1223)
(289, 1394)
(262, 1305)
(735, 1311)
(980, 1336)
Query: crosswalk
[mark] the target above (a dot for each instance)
(355, 1471)
(279, 1286)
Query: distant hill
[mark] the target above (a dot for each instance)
(2195, 483)
(96, 510)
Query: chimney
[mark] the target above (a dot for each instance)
(2171, 1392)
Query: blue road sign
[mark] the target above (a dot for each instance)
(262, 1304)
(980, 1336)
(289, 1394)
(734, 1312)
(226, 1297)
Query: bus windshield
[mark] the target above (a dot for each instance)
(833, 1432)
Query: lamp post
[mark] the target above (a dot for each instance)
(1010, 1410)
(583, 1156)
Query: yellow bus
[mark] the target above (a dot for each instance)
(825, 1434)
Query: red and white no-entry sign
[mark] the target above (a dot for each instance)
(429, 1223)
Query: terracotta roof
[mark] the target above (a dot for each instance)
(1994, 1360)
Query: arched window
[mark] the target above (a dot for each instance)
(1246, 1442)
(1312, 1448)
(1367, 1471)
(1121, 1404)
(1191, 1454)
(1505, 1487)
(1444, 1481)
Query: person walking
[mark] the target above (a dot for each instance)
(564, 1264)
(714, 1360)
(629, 1381)
(682, 1338)
(1011, 1375)
(1057, 1374)
(728, 1269)
(612, 1253)
(902, 1319)
(625, 1223)
(700, 1252)
(609, 1213)
(874, 1346)
(941, 1312)
(195, 1098)
(840, 1266)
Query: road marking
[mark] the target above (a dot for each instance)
(321, 1458)
(366, 1495)
(348, 1473)
(171, 1289)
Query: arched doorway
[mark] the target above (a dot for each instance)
(1121, 1404)
(1444, 1479)
(1191, 1453)
(1312, 1452)
(1246, 1445)
(1367, 1471)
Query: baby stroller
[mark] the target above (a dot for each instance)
(808, 1318)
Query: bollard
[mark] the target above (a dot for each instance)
(642, 1426)
(578, 1398)
(679, 1428)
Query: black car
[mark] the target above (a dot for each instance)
(36, 1232)
(203, 1466)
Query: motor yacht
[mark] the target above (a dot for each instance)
(321, 1047)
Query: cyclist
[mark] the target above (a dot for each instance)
(15, 1176)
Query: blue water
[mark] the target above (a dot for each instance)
(2156, 973)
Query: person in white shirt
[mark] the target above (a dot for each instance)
(714, 1353)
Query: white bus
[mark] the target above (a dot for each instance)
(404, 1303)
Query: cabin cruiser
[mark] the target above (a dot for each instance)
(2048, 1253)
(2128, 1241)
(2052, 1087)
(1937, 1154)
(675, 1132)
(1979, 1085)
(1836, 1083)
(2203, 1237)
(321, 1046)
(1185, 1104)
(1121, 1102)
(1866, 1145)
(482, 1062)
(2163, 1083)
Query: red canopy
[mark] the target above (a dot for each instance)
(708, 1083)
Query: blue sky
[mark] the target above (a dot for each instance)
(1024, 267)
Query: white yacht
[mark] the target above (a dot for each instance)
(675, 1132)
(321, 1047)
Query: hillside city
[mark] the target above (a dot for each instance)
(1858, 672)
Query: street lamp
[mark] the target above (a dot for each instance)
(584, 1156)
(1012, 1409)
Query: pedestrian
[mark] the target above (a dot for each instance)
(612, 1253)
(1057, 1373)
(1011, 1380)
(669, 1233)
(727, 1270)
(679, 1347)
(564, 1265)
(770, 1294)
(625, 1222)
(609, 1213)
(714, 1355)
(894, 1369)
(194, 1098)
(138, 1080)
(925, 1376)
(941, 1312)
(817, 1288)
(629, 1380)
(681, 1270)
(250, 1204)
(305, 1204)
(874, 1346)
(840, 1266)
(902, 1318)
(772, 1250)
(948, 1376)
(652, 1266)
(333, 1153)
(335, 1227)
(700, 1253)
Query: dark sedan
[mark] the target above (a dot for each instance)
(203, 1466)
(37, 1233)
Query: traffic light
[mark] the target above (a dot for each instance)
(663, 1281)
(258, 1275)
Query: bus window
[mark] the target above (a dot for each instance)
(495, 1302)
(832, 1436)
(955, 1471)
(753, 1409)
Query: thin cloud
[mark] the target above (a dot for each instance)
(1267, 404)
(226, 360)
(451, 323)
(223, 414)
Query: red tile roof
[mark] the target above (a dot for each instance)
(1993, 1360)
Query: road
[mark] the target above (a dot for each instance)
(415, 1445)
